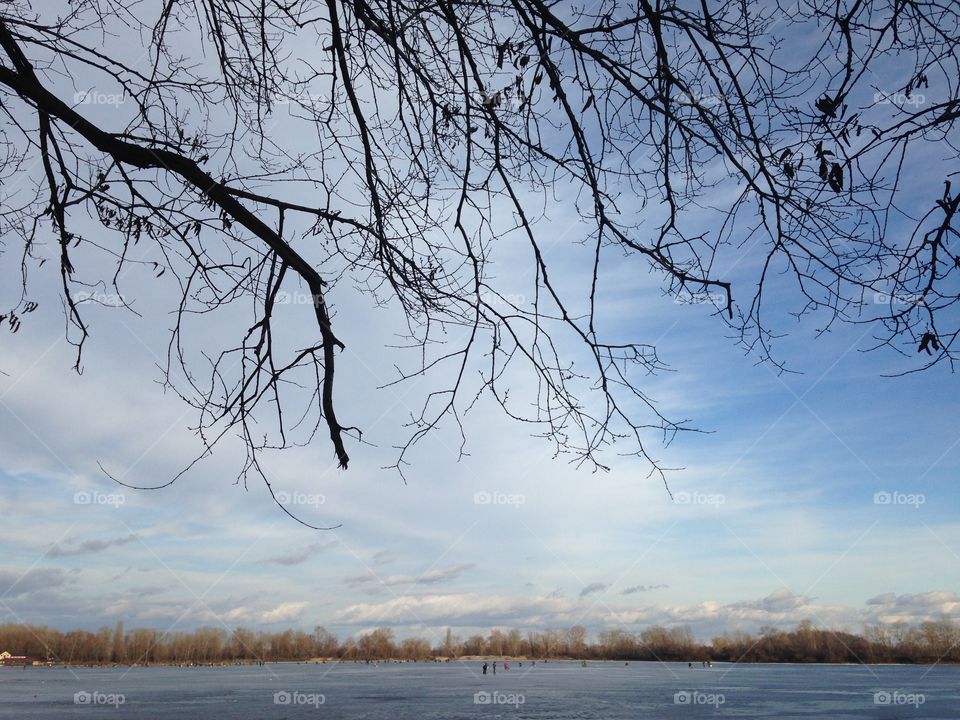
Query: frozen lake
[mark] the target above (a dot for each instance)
(430, 691)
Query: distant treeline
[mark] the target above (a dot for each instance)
(927, 643)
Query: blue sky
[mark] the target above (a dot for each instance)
(774, 517)
(828, 493)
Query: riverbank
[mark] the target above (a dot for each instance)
(516, 661)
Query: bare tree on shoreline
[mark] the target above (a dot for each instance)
(931, 641)
(684, 134)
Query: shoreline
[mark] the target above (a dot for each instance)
(696, 664)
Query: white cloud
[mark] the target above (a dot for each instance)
(430, 577)
(285, 612)
(780, 608)
(912, 608)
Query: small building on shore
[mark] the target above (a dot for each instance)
(8, 659)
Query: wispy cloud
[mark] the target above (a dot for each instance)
(642, 588)
(431, 577)
(14, 584)
(593, 588)
(87, 547)
(383, 557)
(297, 556)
